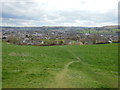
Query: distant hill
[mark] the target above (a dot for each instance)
(59, 28)
(111, 27)
(107, 27)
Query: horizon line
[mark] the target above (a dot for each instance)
(57, 26)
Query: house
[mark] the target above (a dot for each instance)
(109, 41)
(42, 42)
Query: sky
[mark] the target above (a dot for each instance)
(89, 13)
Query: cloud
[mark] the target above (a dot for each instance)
(59, 12)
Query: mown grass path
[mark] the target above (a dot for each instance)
(60, 78)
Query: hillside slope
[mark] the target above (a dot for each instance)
(87, 66)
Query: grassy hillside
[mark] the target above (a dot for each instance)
(87, 66)
(93, 31)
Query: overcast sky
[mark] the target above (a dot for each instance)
(59, 12)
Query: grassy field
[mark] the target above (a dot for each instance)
(87, 66)
(93, 31)
(0, 64)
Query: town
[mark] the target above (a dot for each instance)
(48, 36)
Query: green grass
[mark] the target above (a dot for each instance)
(92, 66)
(0, 64)
(112, 31)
